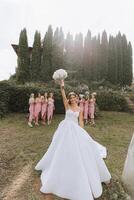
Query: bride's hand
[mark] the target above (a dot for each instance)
(62, 83)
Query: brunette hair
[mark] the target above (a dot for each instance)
(71, 94)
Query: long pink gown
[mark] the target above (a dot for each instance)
(86, 107)
(37, 107)
(81, 104)
(31, 109)
(91, 108)
(50, 108)
(44, 108)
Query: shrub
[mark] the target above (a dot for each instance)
(4, 98)
(112, 101)
(14, 98)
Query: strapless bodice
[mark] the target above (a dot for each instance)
(72, 115)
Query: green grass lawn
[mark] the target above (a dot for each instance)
(22, 146)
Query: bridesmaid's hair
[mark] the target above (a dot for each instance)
(31, 95)
(87, 97)
(50, 94)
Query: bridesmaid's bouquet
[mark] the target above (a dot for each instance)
(59, 75)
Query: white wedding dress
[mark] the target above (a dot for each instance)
(73, 166)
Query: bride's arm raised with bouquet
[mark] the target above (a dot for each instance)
(59, 76)
(65, 100)
(66, 105)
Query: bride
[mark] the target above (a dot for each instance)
(73, 166)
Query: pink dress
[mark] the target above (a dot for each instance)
(81, 104)
(44, 108)
(37, 109)
(86, 107)
(50, 108)
(31, 109)
(91, 108)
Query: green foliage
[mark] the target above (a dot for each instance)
(110, 100)
(89, 59)
(23, 69)
(3, 103)
(35, 66)
(114, 191)
(46, 61)
(14, 98)
(58, 49)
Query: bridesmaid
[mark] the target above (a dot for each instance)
(50, 108)
(37, 109)
(31, 110)
(44, 102)
(92, 102)
(86, 107)
(81, 103)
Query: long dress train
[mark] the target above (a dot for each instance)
(73, 166)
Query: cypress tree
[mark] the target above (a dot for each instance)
(46, 62)
(78, 55)
(129, 73)
(125, 74)
(104, 56)
(87, 57)
(112, 61)
(36, 58)
(94, 66)
(55, 53)
(119, 59)
(69, 55)
(23, 69)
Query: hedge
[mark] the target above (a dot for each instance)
(14, 98)
(111, 101)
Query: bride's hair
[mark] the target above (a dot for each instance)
(71, 94)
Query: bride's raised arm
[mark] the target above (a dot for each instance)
(65, 101)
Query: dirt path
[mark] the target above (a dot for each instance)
(11, 191)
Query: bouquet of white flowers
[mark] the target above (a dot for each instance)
(59, 75)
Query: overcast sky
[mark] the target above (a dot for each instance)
(73, 15)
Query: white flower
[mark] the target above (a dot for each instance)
(94, 93)
(81, 95)
(87, 93)
(59, 74)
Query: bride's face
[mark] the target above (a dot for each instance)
(72, 99)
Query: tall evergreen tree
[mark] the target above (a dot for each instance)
(129, 72)
(36, 58)
(125, 60)
(61, 47)
(23, 69)
(58, 49)
(96, 60)
(112, 61)
(87, 57)
(104, 56)
(98, 57)
(46, 62)
(119, 59)
(94, 68)
(69, 55)
(78, 54)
